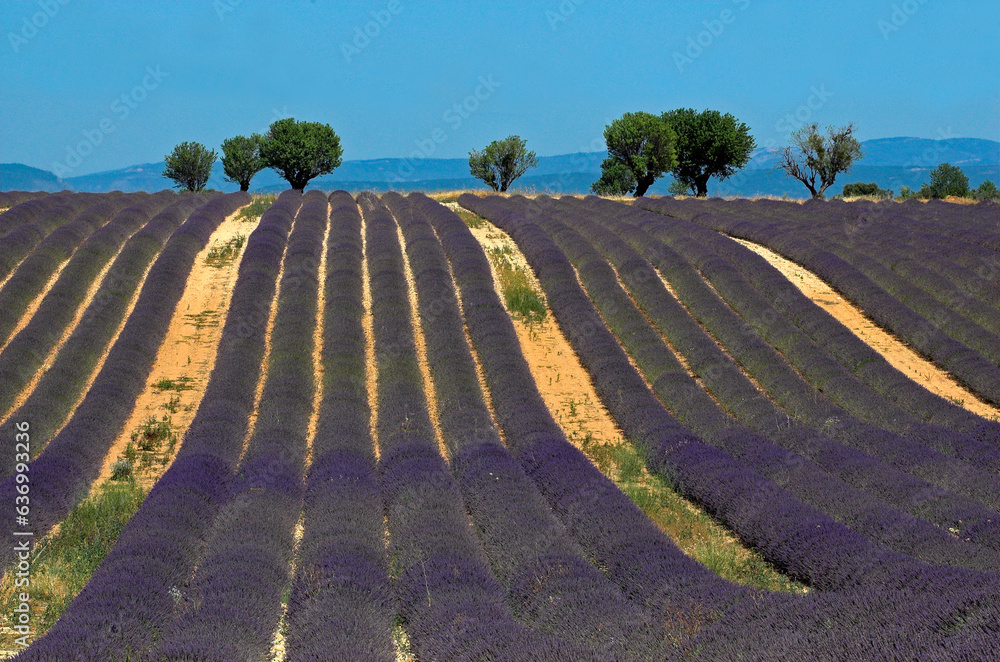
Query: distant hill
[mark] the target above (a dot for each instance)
(889, 162)
(19, 177)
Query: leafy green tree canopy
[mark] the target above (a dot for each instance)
(645, 144)
(190, 166)
(946, 180)
(300, 151)
(986, 191)
(709, 144)
(502, 162)
(616, 179)
(241, 159)
(813, 156)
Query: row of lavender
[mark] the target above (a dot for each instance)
(782, 315)
(30, 277)
(848, 485)
(549, 584)
(808, 420)
(956, 273)
(931, 328)
(60, 387)
(739, 298)
(341, 603)
(449, 600)
(35, 221)
(62, 473)
(696, 258)
(231, 606)
(13, 198)
(133, 595)
(961, 225)
(796, 537)
(874, 239)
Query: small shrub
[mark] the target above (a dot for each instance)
(870, 190)
(121, 470)
(986, 191)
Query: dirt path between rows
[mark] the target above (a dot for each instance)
(895, 352)
(183, 363)
(562, 380)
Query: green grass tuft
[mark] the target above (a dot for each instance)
(255, 209)
(223, 254)
(521, 298)
(62, 564)
(694, 531)
(180, 384)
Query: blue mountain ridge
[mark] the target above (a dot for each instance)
(889, 162)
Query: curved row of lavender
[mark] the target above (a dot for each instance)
(342, 603)
(12, 199)
(550, 585)
(231, 606)
(59, 388)
(37, 220)
(757, 323)
(61, 475)
(801, 316)
(928, 332)
(962, 226)
(907, 258)
(450, 602)
(30, 277)
(964, 435)
(854, 576)
(132, 596)
(861, 510)
(741, 397)
(27, 349)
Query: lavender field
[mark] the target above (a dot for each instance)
(371, 469)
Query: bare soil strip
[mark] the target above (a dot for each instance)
(371, 365)
(318, 345)
(277, 653)
(894, 351)
(259, 391)
(561, 378)
(187, 355)
(26, 393)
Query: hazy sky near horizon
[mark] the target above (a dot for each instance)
(92, 85)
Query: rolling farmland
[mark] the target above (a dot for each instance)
(342, 440)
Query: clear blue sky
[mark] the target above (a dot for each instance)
(121, 83)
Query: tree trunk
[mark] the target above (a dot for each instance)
(245, 186)
(702, 184)
(641, 187)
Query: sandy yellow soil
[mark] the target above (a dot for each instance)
(189, 348)
(895, 352)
